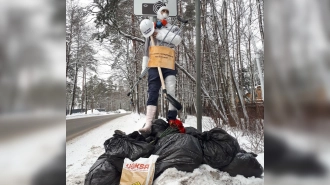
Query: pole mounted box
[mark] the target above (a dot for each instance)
(150, 7)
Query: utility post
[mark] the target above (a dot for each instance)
(198, 65)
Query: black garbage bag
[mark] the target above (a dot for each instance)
(121, 146)
(158, 127)
(136, 136)
(219, 148)
(151, 139)
(244, 164)
(194, 132)
(282, 159)
(102, 173)
(178, 150)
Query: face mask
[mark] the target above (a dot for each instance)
(165, 15)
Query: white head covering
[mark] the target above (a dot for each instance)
(159, 12)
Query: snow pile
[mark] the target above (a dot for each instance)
(94, 111)
(207, 122)
(121, 111)
(83, 151)
(89, 114)
(203, 175)
(260, 158)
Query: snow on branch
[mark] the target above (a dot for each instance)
(204, 91)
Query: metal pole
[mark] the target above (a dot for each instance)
(198, 65)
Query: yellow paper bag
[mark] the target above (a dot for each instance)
(161, 56)
(139, 172)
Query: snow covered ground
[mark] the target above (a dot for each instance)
(82, 152)
(94, 113)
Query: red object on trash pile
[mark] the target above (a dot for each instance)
(177, 124)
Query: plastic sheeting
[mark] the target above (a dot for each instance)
(219, 148)
(244, 164)
(102, 173)
(181, 151)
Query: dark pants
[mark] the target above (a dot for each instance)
(154, 86)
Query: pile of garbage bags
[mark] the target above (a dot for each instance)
(185, 152)
(178, 150)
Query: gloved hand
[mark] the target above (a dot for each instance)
(144, 63)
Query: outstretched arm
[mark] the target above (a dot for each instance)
(145, 58)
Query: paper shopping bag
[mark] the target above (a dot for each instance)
(161, 56)
(139, 172)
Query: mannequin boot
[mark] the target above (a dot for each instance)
(151, 111)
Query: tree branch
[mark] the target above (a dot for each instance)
(204, 92)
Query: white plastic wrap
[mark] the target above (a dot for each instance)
(145, 60)
(161, 33)
(170, 88)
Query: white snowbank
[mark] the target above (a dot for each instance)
(94, 111)
(121, 111)
(89, 114)
(207, 122)
(203, 175)
(260, 159)
(82, 152)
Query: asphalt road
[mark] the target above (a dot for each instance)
(78, 126)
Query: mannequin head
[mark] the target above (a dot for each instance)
(163, 13)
